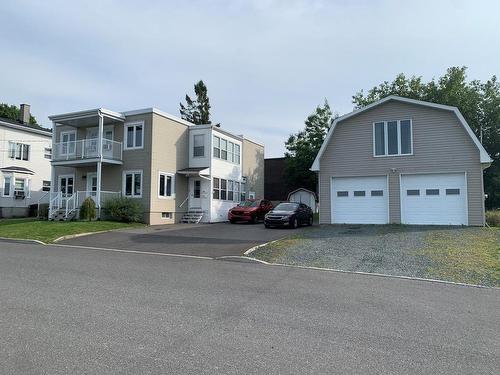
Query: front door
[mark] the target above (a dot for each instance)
(66, 187)
(195, 201)
(91, 185)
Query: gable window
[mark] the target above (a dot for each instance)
(132, 184)
(19, 151)
(7, 183)
(216, 147)
(198, 145)
(134, 135)
(166, 185)
(392, 138)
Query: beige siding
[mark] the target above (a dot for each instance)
(440, 144)
(253, 167)
(169, 154)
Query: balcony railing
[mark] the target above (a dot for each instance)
(87, 149)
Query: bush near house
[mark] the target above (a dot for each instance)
(493, 218)
(123, 209)
(87, 209)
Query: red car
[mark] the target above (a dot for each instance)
(250, 211)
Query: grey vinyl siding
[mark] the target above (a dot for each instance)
(440, 145)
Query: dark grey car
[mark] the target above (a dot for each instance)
(289, 214)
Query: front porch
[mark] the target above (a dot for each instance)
(65, 206)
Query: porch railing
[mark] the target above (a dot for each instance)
(71, 202)
(87, 149)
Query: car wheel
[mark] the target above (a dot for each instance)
(267, 226)
(232, 221)
(294, 223)
(310, 221)
(254, 220)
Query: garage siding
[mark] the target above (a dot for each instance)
(440, 144)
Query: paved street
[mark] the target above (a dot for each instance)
(208, 240)
(81, 311)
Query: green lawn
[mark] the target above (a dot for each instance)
(48, 231)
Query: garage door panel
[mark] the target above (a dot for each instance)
(360, 200)
(439, 199)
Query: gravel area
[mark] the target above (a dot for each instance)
(416, 251)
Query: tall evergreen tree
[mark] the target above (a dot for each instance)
(303, 146)
(197, 110)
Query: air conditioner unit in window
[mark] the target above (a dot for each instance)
(19, 194)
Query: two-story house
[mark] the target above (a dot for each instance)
(400, 160)
(25, 152)
(177, 170)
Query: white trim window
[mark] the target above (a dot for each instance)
(216, 147)
(236, 191)
(166, 185)
(236, 157)
(198, 145)
(216, 188)
(243, 192)
(132, 184)
(46, 185)
(68, 142)
(47, 153)
(226, 150)
(133, 135)
(7, 186)
(22, 187)
(392, 138)
(19, 151)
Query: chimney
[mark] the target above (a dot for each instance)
(24, 113)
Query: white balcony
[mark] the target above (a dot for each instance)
(86, 150)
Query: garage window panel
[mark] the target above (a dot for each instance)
(452, 191)
(377, 193)
(342, 193)
(432, 192)
(359, 193)
(413, 192)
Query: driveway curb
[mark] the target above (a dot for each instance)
(24, 240)
(70, 236)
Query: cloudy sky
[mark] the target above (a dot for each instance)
(267, 64)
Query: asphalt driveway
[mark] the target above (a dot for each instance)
(208, 240)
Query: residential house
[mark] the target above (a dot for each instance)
(25, 152)
(400, 160)
(177, 170)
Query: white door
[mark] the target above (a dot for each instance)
(195, 194)
(439, 199)
(360, 200)
(66, 187)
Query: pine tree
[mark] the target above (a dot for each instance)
(197, 111)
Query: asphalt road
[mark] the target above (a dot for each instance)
(81, 311)
(207, 240)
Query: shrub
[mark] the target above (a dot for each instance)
(123, 209)
(493, 218)
(87, 209)
(43, 212)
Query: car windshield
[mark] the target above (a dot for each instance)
(248, 204)
(286, 207)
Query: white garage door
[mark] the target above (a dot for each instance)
(439, 199)
(360, 200)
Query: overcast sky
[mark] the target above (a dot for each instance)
(267, 64)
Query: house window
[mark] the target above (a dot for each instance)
(452, 191)
(46, 185)
(166, 215)
(342, 193)
(21, 187)
(216, 191)
(230, 190)
(132, 184)
(223, 149)
(166, 185)
(7, 183)
(199, 145)
(134, 135)
(19, 151)
(359, 193)
(432, 192)
(68, 143)
(223, 189)
(392, 138)
(47, 153)
(251, 195)
(230, 151)
(236, 154)
(216, 147)
(243, 192)
(197, 189)
(236, 191)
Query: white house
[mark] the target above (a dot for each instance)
(25, 170)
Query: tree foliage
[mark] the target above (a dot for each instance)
(303, 146)
(479, 103)
(11, 112)
(88, 209)
(197, 110)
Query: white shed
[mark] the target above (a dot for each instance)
(305, 196)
